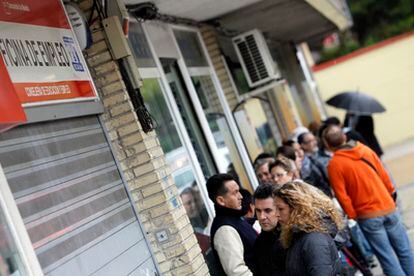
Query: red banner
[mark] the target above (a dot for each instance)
(34, 12)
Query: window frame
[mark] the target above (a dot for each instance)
(17, 228)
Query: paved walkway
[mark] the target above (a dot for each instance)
(406, 202)
(406, 195)
(400, 162)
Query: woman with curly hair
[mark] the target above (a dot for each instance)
(309, 223)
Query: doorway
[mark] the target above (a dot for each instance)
(187, 112)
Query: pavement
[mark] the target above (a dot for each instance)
(400, 162)
(406, 206)
(406, 195)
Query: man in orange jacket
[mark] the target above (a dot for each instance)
(365, 192)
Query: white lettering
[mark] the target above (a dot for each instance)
(38, 91)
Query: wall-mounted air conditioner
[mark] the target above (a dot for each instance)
(255, 58)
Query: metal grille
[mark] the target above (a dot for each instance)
(252, 59)
(257, 57)
(72, 200)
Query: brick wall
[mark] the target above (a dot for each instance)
(213, 48)
(143, 164)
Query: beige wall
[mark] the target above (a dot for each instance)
(387, 73)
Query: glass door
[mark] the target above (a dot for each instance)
(212, 110)
(10, 259)
(187, 113)
(178, 154)
(17, 256)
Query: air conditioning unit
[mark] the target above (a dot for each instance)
(255, 58)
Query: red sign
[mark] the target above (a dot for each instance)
(41, 54)
(11, 111)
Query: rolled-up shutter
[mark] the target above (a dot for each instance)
(72, 199)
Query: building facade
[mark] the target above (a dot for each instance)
(113, 188)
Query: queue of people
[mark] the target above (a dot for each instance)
(324, 202)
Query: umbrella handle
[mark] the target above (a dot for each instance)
(352, 120)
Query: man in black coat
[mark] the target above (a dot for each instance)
(313, 170)
(232, 237)
(269, 254)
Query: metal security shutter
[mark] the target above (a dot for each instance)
(72, 199)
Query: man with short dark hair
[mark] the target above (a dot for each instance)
(269, 253)
(308, 142)
(232, 237)
(197, 214)
(365, 192)
(261, 167)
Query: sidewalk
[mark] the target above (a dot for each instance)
(406, 195)
(400, 161)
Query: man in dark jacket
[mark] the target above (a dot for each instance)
(232, 237)
(269, 254)
(313, 170)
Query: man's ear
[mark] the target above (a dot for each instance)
(331, 149)
(220, 201)
(344, 137)
(327, 146)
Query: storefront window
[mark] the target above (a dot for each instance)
(288, 118)
(187, 113)
(224, 149)
(176, 155)
(228, 160)
(10, 261)
(255, 127)
(166, 130)
(253, 114)
(139, 46)
(190, 48)
(215, 117)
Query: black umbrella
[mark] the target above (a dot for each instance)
(356, 102)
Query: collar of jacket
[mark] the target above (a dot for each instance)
(274, 232)
(224, 211)
(348, 145)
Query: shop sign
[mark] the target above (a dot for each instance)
(41, 54)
